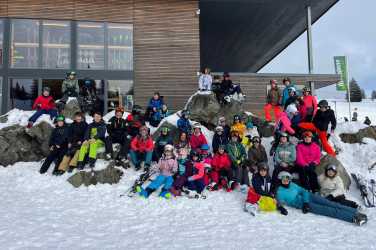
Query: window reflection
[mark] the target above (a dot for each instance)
(56, 44)
(120, 47)
(120, 93)
(23, 93)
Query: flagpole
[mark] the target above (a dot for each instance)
(348, 88)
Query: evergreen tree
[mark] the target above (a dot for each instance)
(364, 96)
(355, 92)
(373, 95)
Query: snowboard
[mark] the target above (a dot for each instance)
(367, 191)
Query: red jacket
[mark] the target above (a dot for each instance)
(140, 145)
(197, 141)
(305, 154)
(200, 171)
(309, 102)
(44, 102)
(221, 162)
(252, 196)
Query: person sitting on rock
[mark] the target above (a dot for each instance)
(183, 123)
(183, 142)
(284, 158)
(163, 140)
(155, 102)
(58, 145)
(217, 90)
(88, 97)
(285, 93)
(308, 155)
(293, 98)
(332, 187)
(256, 154)
(167, 166)
(136, 120)
(142, 149)
(221, 173)
(155, 117)
(164, 112)
(239, 127)
(117, 130)
(205, 81)
(94, 139)
(308, 108)
(45, 105)
(197, 138)
(226, 128)
(320, 125)
(76, 137)
(69, 88)
(273, 101)
(219, 138)
(238, 156)
(290, 194)
(367, 121)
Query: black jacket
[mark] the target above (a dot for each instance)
(219, 140)
(262, 185)
(100, 133)
(257, 155)
(322, 120)
(59, 136)
(77, 132)
(117, 127)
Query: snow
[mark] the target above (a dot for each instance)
(46, 212)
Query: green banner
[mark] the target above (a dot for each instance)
(340, 64)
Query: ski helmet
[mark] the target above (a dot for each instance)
(195, 153)
(284, 175)
(197, 125)
(185, 113)
(307, 134)
(305, 89)
(219, 129)
(323, 103)
(291, 89)
(60, 118)
(291, 109)
(284, 134)
(236, 118)
(169, 147)
(256, 139)
(165, 130)
(222, 146)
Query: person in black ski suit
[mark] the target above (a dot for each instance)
(219, 138)
(58, 145)
(261, 181)
(88, 97)
(117, 133)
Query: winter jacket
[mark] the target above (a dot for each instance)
(221, 161)
(331, 186)
(168, 167)
(257, 155)
(135, 123)
(274, 96)
(307, 153)
(183, 144)
(96, 131)
(165, 114)
(285, 93)
(182, 166)
(161, 142)
(142, 145)
(77, 132)
(292, 100)
(285, 153)
(70, 86)
(117, 127)
(262, 185)
(240, 128)
(184, 125)
(309, 106)
(226, 86)
(198, 171)
(236, 153)
(59, 136)
(44, 102)
(322, 120)
(283, 124)
(205, 82)
(197, 141)
(293, 196)
(219, 140)
(155, 103)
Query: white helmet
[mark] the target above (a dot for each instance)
(291, 109)
(219, 129)
(169, 147)
(284, 174)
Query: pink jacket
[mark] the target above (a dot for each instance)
(200, 166)
(305, 154)
(283, 124)
(167, 167)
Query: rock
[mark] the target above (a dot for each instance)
(265, 129)
(71, 108)
(326, 160)
(109, 175)
(20, 144)
(369, 132)
(4, 118)
(174, 131)
(204, 108)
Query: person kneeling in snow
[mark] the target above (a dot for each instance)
(142, 149)
(58, 146)
(168, 166)
(292, 195)
(93, 140)
(45, 105)
(332, 187)
(221, 172)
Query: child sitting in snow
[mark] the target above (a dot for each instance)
(206, 158)
(221, 172)
(185, 169)
(168, 166)
(195, 182)
(197, 138)
(45, 105)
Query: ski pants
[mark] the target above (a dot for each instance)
(196, 185)
(241, 174)
(222, 173)
(320, 205)
(52, 113)
(69, 161)
(341, 199)
(180, 181)
(268, 108)
(124, 145)
(308, 178)
(322, 135)
(91, 148)
(54, 156)
(166, 181)
(137, 157)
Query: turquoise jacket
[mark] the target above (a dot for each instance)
(285, 93)
(293, 196)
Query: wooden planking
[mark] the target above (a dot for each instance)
(166, 50)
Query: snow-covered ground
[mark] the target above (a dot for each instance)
(46, 212)
(364, 108)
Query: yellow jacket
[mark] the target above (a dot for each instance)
(240, 128)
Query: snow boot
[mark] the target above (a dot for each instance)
(165, 194)
(29, 125)
(43, 169)
(92, 162)
(212, 186)
(144, 192)
(360, 219)
(175, 192)
(70, 169)
(80, 165)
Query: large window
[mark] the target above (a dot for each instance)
(120, 93)
(25, 43)
(120, 46)
(90, 45)
(56, 44)
(23, 92)
(1, 42)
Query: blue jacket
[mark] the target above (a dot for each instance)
(293, 196)
(184, 125)
(155, 103)
(285, 93)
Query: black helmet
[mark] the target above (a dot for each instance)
(184, 113)
(236, 117)
(193, 154)
(323, 103)
(256, 139)
(305, 89)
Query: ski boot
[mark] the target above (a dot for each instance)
(70, 169)
(29, 125)
(175, 192)
(92, 162)
(360, 219)
(212, 186)
(145, 193)
(80, 165)
(165, 194)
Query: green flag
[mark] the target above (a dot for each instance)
(340, 64)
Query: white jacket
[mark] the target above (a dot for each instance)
(205, 82)
(331, 186)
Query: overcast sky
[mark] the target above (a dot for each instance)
(349, 28)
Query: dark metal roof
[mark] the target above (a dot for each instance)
(244, 35)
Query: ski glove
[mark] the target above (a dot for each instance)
(282, 210)
(306, 208)
(190, 178)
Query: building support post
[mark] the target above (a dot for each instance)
(309, 46)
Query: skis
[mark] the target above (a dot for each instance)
(366, 192)
(144, 177)
(193, 194)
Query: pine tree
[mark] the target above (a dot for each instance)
(373, 95)
(356, 94)
(363, 92)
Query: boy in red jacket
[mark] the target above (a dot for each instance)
(45, 105)
(142, 149)
(221, 169)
